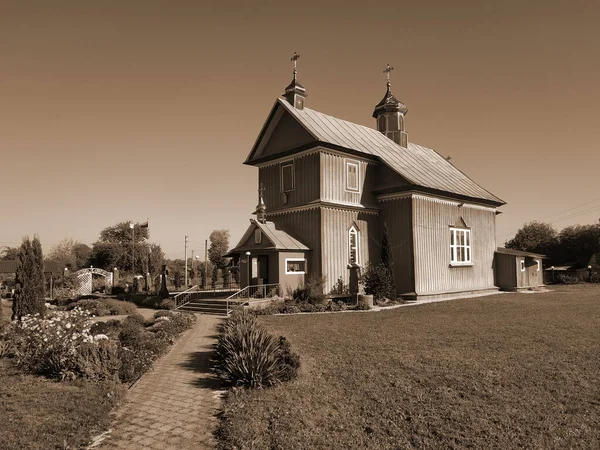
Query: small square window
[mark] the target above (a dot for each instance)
(295, 266)
(287, 177)
(352, 176)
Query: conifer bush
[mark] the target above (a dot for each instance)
(29, 277)
(247, 355)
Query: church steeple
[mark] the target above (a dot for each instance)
(390, 113)
(295, 93)
(261, 208)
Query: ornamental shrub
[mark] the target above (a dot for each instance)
(246, 355)
(94, 307)
(98, 360)
(110, 328)
(378, 281)
(311, 291)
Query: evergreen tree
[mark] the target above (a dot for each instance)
(215, 277)
(387, 259)
(29, 295)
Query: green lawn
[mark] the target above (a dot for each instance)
(504, 371)
(36, 413)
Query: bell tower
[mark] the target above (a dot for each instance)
(295, 93)
(390, 113)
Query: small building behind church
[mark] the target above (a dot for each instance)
(516, 270)
(330, 185)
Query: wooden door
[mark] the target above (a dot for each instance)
(260, 269)
(532, 272)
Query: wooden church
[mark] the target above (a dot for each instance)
(328, 186)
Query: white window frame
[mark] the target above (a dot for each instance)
(357, 165)
(281, 167)
(522, 262)
(351, 231)
(258, 236)
(454, 246)
(537, 261)
(291, 272)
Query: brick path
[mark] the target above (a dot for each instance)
(173, 406)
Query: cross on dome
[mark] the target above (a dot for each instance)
(387, 71)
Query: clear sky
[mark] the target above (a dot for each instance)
(117, 110)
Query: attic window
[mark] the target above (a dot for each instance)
(352, 176)
(460, 246)
(258, 236)
(287, 177)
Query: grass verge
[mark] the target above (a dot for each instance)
(505, 371)
(37, 413)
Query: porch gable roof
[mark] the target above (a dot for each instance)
(279, 240)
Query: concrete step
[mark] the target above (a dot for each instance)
(211, 301)
(205, 310)
(209, 306)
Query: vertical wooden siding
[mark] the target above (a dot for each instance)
(397, 214)
(333, 181)
(335, 250)
(433, 274)
(306, 227)
(306, 182)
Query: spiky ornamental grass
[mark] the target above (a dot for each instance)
(247, 355)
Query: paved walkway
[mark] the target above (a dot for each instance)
(174, 405)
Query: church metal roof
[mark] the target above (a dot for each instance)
(420, 166)
(279, 238)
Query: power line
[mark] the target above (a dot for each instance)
(507, 231)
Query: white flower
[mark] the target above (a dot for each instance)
(68, 325)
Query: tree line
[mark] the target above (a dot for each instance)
(575, 244)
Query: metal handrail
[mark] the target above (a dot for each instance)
(255, 291)
(186, 292)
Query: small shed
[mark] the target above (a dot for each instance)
(515, 270)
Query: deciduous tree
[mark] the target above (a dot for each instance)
(70, 253)
(536, 237)
(116, 246)
(9, 253)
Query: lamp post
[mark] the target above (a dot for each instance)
(590, 273)
(248, 263)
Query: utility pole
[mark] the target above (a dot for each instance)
(186, 274)
(205, 261)
(132, 226)
(193, 269)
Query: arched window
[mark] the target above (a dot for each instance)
(353, 246)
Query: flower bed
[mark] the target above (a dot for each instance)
(104, 307)
(65, 344)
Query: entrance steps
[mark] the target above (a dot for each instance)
(210, 306)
